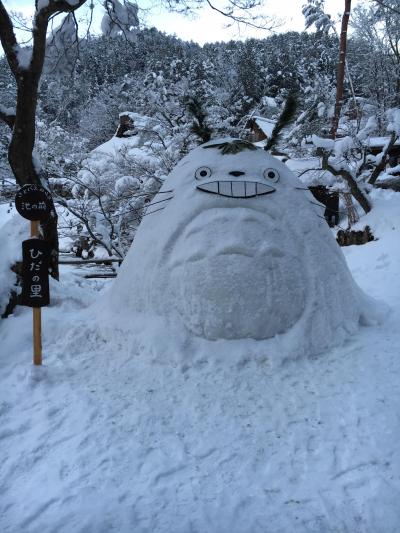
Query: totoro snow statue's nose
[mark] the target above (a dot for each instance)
(237, 189)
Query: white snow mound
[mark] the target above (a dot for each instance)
(239, 251)
(12, 233)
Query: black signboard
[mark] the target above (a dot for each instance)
(35, 276)
(34, 202)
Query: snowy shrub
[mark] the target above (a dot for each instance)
(114, 188)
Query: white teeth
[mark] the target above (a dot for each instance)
(225, 188)
(250, 187)
(236, 189)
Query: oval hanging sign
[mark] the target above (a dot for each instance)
(34, 202)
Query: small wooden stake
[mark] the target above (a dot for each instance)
(35, 228)
(37, 336)
(37, 313)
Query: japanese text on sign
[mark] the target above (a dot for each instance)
(34, 202)
(35, 284)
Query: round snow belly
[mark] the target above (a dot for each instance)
(233, 296)
(246, 287)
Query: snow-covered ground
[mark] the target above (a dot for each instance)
(108, 436)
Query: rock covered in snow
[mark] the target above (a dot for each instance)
(236, 250)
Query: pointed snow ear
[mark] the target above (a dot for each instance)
(286, 117)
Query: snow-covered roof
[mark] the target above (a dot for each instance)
(269, 101)
(266, 125)
(115, 146)
(140, 121)
(109, 160)
(377, 142)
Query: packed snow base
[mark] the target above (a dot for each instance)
(12, 233)
(112, 434)
(234, 249)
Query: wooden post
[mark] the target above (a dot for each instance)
(37, 335)
(35, 228)
(37, 313)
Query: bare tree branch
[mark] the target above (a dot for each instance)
(351, 182)
(8, 39)
(230, 14)
(384, 156)
(59, 6)
(386, 6)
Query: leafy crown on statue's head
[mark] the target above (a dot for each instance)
(233, 146)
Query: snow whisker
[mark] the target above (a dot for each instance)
(160, 201)
(148, 193)
(155, 211)
(316, 203)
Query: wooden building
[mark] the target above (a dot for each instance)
(260, 128)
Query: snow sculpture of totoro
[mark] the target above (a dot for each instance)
(237, 250)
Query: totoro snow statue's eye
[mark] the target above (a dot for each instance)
(202, 172)
(271, 175)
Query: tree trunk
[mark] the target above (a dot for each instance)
(23, 135)
(341, 69)
(21, 154)
(351, 182)
(27, 76)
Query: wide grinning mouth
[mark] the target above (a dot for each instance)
(236, 189)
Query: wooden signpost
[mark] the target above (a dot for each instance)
(34, 203)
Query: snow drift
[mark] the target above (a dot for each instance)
(12, 233)
(235, 249)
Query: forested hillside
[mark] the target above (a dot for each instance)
(188, 94)
(178, 82)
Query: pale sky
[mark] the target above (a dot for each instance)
(208, 26)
